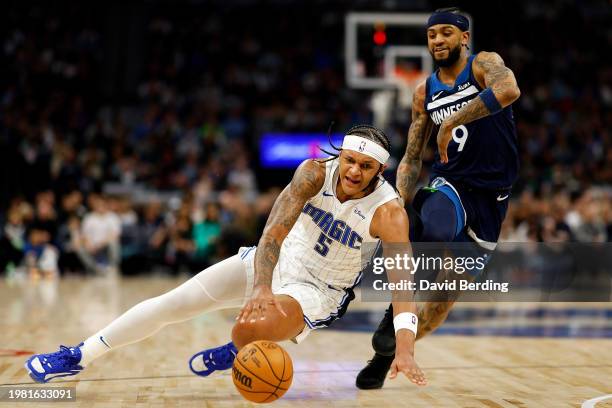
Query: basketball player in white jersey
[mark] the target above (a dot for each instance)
(300, 276)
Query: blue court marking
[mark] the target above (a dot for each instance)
(367, 321)
(529, 331)
(459, 315)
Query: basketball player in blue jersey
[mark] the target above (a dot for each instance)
(300, 277)
(466, 101)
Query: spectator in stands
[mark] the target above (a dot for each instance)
(40, 257)
(181, 245)
(206, 230)
(590, 226)
(99, 248)
(12, 240)
(45, 216)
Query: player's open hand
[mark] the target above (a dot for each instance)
(404, 363)
(255, 308)
(445, 133)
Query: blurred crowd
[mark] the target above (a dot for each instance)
(101, 234)
(131, 147)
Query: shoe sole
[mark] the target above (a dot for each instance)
(31, 374)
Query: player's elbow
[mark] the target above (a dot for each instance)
(508, 96)
(514, 93)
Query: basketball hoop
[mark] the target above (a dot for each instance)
(406, 80)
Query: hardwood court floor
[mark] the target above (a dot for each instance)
(463, 371)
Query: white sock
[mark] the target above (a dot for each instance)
(221, 286)
(93, 348)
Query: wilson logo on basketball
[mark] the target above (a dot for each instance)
(241, 378)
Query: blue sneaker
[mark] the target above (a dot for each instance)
(218, 358)
(64, 362)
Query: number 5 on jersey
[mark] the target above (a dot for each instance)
(322, 244)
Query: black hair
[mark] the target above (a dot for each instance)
(366, 131)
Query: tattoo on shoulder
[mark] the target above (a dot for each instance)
(308, 179)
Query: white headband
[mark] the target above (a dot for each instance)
(367, 147)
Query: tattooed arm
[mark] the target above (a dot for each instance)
(307, 181)
(490, 71)
(390, 224)
(420, 129)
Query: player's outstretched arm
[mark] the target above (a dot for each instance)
(420, 129)
(307, 181)
(501, 90)
(390, 224)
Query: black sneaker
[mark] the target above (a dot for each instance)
(373, 375)
(383, 340)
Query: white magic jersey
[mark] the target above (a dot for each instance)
(326, 240)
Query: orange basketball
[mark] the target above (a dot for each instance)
(262, 371)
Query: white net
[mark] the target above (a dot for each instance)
(383, 101)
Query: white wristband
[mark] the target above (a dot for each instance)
(406, 320)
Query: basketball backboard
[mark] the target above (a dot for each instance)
(384, 48)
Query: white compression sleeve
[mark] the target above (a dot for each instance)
(220, 286)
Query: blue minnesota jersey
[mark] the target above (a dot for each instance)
(483, 153)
